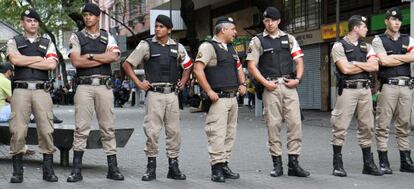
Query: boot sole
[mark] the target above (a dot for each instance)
(11, 181)
(373, 174)
(175, 178)
(149, 179)
(296, 175)
(406, 171)
(218, 180)
(77, 180)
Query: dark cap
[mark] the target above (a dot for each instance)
(5, 66)
(222, 20)
(272, 13)
(164, 20)
(92, 8)
(394, 12)
(357, 18)
(30, 13)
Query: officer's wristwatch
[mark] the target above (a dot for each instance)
(244, 84)
(299, 79)
(90, 56)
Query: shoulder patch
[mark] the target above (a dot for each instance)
(199, 55)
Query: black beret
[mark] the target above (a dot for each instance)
(271, 12)
(164, 20)
(222, 20)
(92, 8)
(394, 12)
(30, 13)
(357, 18)
(5, 66)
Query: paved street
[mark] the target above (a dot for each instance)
(250, 158)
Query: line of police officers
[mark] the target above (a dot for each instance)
(390, 54)
(218, 70)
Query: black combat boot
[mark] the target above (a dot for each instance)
(277, 166)
(407, 164)
(369, 166)
(76, 174)
(228, 173)
(113, 170)
(17, 169)
(294, 169)
(338, 166)
(217, 172)
(173, 170)
(150, 172)
(48, 172)
(384, 163)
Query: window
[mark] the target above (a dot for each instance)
(302, 15)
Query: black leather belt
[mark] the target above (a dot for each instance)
(93, 81)
(223, 94)
(163, 89)
(29, 85)
(357, 84)
(399, 82)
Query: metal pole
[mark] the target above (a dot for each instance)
(412, 18)
(337, 20)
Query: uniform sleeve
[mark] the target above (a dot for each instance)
(11, 47)
(205, 54)
(51, 52)
(338, 52)
(139, 55)
(74, 45)
(295, 49)
(238, 63)
(411, 45)
(255, 50)
(185, 60)
(112, 44)
(371, 53)
(378, 46)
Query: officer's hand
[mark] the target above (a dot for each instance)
(145, 85)
(242, 90)
(271, 85)
(180, 86)
(291, 83)
(213, 96)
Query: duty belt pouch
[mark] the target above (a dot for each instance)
(205, 102)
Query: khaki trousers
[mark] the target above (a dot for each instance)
(89, 99)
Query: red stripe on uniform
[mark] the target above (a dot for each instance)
(51, 55)
(410, 49)
(238, 64)
(188, 64)
(299, 52)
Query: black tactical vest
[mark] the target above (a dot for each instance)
(276, 60)
(93, 46)
(223, 76)
(162, 66)
(38, 48)
(395, 47)
(355, 53)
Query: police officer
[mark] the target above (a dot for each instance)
(354, 60)
(394, 51)
(163, 58)
(32, 56)
(219, 72)
(270, 61)
(92, 51)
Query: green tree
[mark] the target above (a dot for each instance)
(56, 16)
